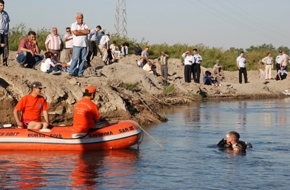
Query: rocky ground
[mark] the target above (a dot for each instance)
(125, 91)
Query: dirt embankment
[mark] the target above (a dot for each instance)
(125, 91)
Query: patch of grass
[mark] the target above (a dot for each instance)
(167, 89)
(132, 86)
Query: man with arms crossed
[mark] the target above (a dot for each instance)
(30, 107)
(80, 33)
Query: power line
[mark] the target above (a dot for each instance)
(241, 24)
(229, 19)
(252, 18)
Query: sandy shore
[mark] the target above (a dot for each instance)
(117, 98)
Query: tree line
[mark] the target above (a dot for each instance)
(227, 57)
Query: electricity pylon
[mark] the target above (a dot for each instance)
(121, 18)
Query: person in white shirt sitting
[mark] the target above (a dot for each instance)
(48, 66)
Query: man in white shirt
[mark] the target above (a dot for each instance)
(188, 60)
(80, 34)
(278, 60)
(241, 64)
(268, 61)
(284, 60)
(93, 37)
(104, 46)
(197, 59)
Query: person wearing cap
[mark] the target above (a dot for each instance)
(278, 60)
(86, 113)
(31, 106)
(284, 60)
(241, 64)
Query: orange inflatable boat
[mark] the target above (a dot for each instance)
(119, 135)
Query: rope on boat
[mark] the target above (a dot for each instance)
(81, 137)
(152, 137)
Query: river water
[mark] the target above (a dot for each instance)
(189, 160)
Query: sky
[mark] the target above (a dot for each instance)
(214, 23)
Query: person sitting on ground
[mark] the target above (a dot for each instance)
(232, 141)
(29, 51)
(114, 49)
(282, 74)
(30, 107)
(138, 50)
(140, 62)
(48, 65)
(124, 49)
(218, 69)
(65, 66)
(151, 68)
(86, 113)
(210, 80)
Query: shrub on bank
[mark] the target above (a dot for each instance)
(20, 31)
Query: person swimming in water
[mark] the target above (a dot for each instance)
(232, 141)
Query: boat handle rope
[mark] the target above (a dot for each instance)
(162, 147)
(90, 131)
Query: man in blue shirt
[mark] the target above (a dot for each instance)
(93, 37)
(4, 27)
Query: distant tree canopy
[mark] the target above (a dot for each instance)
(227, 58)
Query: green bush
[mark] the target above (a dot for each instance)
(19, 31)
(227, 58)
(167, 89)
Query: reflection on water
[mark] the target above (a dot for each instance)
(58, 169)
(190, 160)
